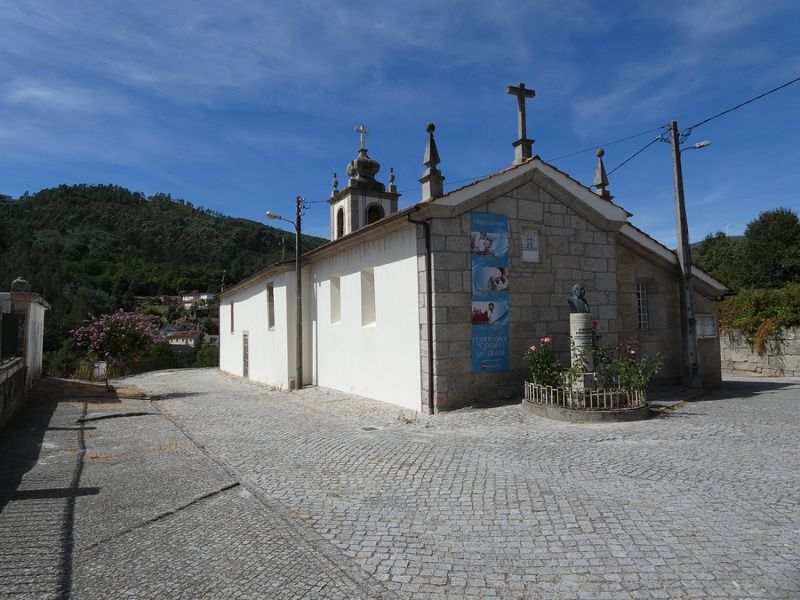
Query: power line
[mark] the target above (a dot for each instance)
(746, 102)
(596, 146)
(635, 154)
(687, 132)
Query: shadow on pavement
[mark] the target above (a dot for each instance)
(173, 395)
(20, 450)
(746, 389)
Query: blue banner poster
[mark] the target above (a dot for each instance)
(490, 282)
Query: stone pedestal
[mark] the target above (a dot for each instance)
(581, 336)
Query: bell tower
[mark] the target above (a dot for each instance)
(365, 199)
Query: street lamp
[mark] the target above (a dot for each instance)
(691, 358)
(298, 215)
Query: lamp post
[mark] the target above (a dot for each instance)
(691, 358)
(298, 215)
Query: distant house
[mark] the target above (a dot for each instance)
(186, 339)
(196, 296)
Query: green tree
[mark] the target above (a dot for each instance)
(772, 249)
(721, 256)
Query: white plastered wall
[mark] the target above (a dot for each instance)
(35, 340)
(379, 361)
(270, 359)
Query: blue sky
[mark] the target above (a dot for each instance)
(240, 106)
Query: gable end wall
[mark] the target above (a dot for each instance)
(573, 250)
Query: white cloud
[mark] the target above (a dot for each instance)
(62, 96)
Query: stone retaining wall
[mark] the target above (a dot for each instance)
(780, 358)
(12, 388)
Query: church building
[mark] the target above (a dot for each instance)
(432, 306)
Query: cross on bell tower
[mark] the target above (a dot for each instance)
(361, 131)
(523, 147)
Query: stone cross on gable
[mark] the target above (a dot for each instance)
(523, 147)
(361, 131)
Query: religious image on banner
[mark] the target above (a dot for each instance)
(490, 283)
(489, 275)
(489, 236)
(490, 313)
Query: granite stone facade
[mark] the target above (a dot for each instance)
(572, 249)
(663, 334)
(575, 246)
(781, 358)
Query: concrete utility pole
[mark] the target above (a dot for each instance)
(298, 213)
(691, 359)
(298, 229)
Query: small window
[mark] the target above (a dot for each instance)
(707, 326)
(270, 307)
(641, 306)
(339, 223)
(367, 297)
(231, 316)
(336, 300)
(374, 213)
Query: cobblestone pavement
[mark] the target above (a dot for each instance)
(241, 492)
(701, 502)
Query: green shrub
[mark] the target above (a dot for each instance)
(543, 368)
(760, 314)
(624, 366)
(207, 356)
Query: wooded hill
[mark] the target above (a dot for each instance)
(92, 248)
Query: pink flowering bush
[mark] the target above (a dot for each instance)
(119, 337)
(543, 368)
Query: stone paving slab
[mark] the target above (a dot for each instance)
(702, 502)
(103, 497)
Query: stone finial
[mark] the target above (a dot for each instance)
(20, 285)
(600, 178)
(431, 159)
(392, 186)
(432, 180)
(334, 186)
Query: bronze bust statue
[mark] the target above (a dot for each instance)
(577, 301)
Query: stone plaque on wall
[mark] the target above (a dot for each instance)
(530, 245)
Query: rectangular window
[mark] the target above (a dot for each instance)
(270, 307)
(231, 316)
(336, 300)
(707, 326)
(641, 306)
(367, 297)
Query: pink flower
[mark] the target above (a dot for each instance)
(532, 348)
(632, 351)
(594, 324)
(546, 340)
